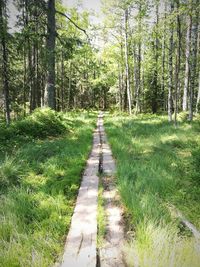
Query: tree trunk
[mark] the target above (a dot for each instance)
(170, 69)
(70, 87)
(198, 97)
(143, 86)
(198, 83)
(155, 75)
(187, 70)
(178, 56)
(120, 82)
(138, 88)
(38, 78)
(58, 71)
(50, 98)
(63, 81)
(194, 38)
(24, 81)
(126, 61)
(33, 78)
(3, 29)
(163, 62)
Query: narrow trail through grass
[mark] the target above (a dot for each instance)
(41, 161)
(157, 165)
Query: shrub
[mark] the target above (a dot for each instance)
(183, 116)
(40, 124)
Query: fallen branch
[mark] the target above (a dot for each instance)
(173, 210)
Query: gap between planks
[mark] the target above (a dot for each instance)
(111, 251)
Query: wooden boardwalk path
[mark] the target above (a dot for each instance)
(80, 249)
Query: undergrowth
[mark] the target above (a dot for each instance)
(158, 165)
(42, 158)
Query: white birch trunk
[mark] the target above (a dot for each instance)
(126, 60)
(187, 55)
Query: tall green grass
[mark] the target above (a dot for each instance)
(157, 165)
(40, 173)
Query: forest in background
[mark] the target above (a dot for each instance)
(141, 66)
(148, 61)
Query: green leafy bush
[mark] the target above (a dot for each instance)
(40, 124)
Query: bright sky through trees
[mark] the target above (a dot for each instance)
(91, 5)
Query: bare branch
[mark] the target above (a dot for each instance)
(78, 27)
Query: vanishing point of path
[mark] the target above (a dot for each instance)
(81, 244)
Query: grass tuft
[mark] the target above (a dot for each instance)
(157, 164)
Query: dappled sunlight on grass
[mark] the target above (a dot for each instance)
(39, 183)
(157, 164)
(161, 246)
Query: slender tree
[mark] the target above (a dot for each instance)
(187, 63)
(170, 90)
(178, 57)
(126, 59)
(50, 94)
(198, 96)
(155, 72)
(3, 38)
(194, 38)
(138, 61)
(164, 59)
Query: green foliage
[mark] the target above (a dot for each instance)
(39, 184)
(183, 116)
(40, 124)
(155, 168)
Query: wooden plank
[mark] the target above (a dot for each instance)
(108, 163)
(111, 252)
(80, 248)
